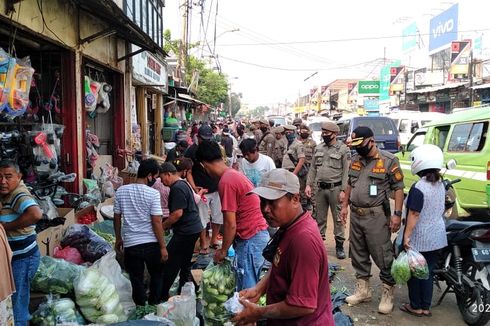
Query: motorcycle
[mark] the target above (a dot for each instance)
(465, 264)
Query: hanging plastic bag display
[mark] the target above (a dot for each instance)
(18, 98)
(91, 89)
(7, 64)
(103, 101)
(92, 143)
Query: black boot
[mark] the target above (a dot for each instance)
(339, 249)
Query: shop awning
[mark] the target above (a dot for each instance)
(437, 88)
(487, 85)
(118, 23)
(190, 98)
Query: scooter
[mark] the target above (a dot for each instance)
(465, 265)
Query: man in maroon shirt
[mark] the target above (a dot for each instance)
(297, 288)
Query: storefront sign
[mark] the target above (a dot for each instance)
(409, 37)
(397, 79)
(443, 28)
(368, 87)
(428, 78)
(149, 70)
(410, 84)
(371, 104)
(460, 58)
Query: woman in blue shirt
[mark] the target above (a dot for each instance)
(425, 230)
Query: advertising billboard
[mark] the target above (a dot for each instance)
(460, 58)
(397, 79)
(409, 37)
(368, 87)
(384, 80)
(443, 28)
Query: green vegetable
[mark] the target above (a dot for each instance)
(54, 312)
(262, 301)
(218, 285)
(107, 319)
(55, 276)
(400, 269)
(142, 311)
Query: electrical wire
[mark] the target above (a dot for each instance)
(40, 6)
(355, 39)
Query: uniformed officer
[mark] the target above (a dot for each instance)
(328, 174)
(310, 145)
(267, 142)
(256, 130)
(297, 122)
(280, 146)
(373, 174)
(294, 158)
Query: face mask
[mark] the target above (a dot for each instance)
(364, 150)
(305, 135)
(291, 137)
(263, 129)
(152, 182)
(327, 139)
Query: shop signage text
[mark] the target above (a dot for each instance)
(149, 70)
(368, 87)
(444, 28)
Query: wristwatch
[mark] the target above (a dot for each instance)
(398, 213)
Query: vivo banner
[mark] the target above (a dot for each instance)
(443, 28)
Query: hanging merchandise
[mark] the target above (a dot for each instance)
(91, 88)
(7, 65)
(92, 143)
(103, 102)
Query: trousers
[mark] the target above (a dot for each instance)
(329, 199)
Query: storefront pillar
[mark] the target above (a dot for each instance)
(142, 117)
(159, 125)
(80, 119)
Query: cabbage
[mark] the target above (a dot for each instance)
(55, 276)
(110, 305)
(91, 313)
(107, 293)
(107, 319)
(54, 312)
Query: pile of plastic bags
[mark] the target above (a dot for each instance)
(55, 276)
(56, 312)
(91, 246)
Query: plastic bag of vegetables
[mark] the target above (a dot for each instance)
(400, 269)
(89, 244)
(55, 276)
(97, 298)
(55, 312)
(218, 285)
(418, 264)
(180, 309)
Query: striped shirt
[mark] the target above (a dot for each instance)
(430, 231)
(22, 241)
(137, 203)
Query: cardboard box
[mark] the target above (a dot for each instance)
(87, 210)
(49, 238)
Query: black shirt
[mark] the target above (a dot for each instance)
(182, 197)
(227, 143)
(171, 155)
(201, 178)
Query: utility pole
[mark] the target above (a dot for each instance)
(471, 68)
(181, 63)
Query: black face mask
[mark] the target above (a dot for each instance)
(327, 139)
(305, 135)
(364, 150)
(152, 182)
(263, 129)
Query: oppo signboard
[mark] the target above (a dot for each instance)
(368, 87)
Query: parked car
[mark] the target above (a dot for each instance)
(315, 125)
(278, 120)
(384, 129)
(462, 136)
(407, 122)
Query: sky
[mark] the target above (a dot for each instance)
(326, 39)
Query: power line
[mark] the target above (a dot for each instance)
(369, 38)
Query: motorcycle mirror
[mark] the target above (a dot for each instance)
(451, 164)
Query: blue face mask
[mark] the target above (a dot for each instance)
(291, 137)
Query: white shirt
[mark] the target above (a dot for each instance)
(137, 203)
(254, 171)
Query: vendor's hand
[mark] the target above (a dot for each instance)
(406, 243)
(119, 246)
(250, 294)
(343, 214)
(250, 314)
(219, 255)
(395, 223)
(341, 196)
(163, 254)
(308, 191)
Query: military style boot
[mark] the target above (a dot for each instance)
(362, 293)
(386, 303)
(339, 249)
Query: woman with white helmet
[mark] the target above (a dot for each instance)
(425, 230)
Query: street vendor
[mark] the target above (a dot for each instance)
(297, 288)
(18, 216)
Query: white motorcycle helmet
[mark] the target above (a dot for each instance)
(426, 157)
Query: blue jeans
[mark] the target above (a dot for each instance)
(249, 259)
(420, 291)
(24, 270)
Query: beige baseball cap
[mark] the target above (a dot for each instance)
(276, 183)
(289, 127)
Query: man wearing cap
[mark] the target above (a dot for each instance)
(373, 175)
(328, 175)
(309, 146)
(267, 141)
(199, 179)
(177, 151)
(186, 226)
(280, 146)
(256, 130)
(297, 122)
(244, 225)
(295, 157)
(297, 287)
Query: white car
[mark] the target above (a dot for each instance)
(407, 122)
(315, 125)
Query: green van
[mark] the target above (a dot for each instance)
(462, 136)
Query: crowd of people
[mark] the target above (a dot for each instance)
(265, 190)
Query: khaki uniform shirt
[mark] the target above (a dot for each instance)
(257, 135)
(297, 151)
(330, 164)
(266, 146)
(280, 149)
(310, 146)
(372, 180)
